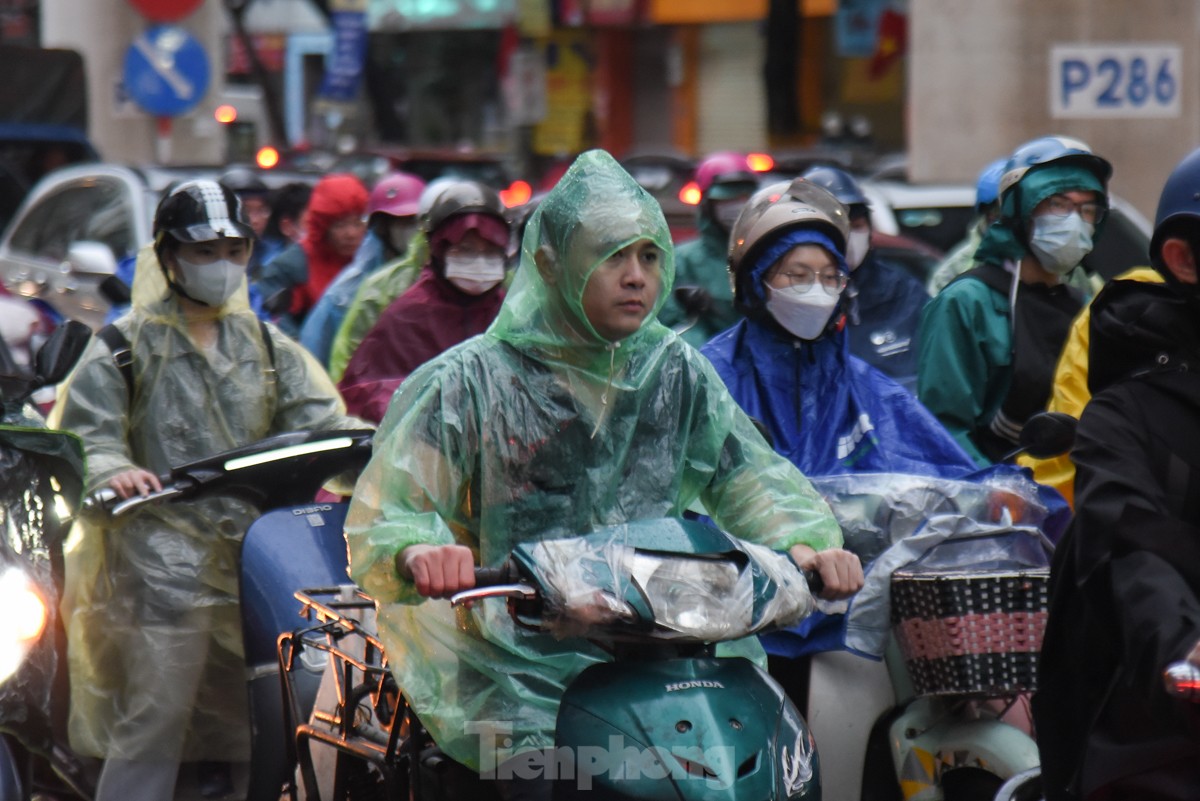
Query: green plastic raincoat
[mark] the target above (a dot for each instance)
(540, 429)
(151, 601)
(374, 295)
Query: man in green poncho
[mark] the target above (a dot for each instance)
(575, 410)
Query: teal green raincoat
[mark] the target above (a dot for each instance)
(541, 429)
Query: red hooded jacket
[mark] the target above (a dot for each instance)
(334, 197)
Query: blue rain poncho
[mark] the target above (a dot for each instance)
(541, 429)
(154, 635)
(829, 412)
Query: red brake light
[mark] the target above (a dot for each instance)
(517, 194)
(759, 162)
(267, 157)
(691, 194)
(225, 114)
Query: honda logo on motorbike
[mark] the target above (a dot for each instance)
(695, 685)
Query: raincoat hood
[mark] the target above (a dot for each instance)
(1003, 240)
(1137, 327)
(594, 210)
(333, 197)
(153, 298)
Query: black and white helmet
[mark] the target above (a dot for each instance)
(201, 211)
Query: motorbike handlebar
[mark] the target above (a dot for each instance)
(491, 576)
(815, 582)
(107, 501)
(1182, 680)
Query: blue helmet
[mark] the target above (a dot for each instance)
(839, 182)
(1178, 205)
(1047, 149)
(987, 186)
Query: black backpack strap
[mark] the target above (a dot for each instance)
(122, 354)
(993, 276)
(268, 342)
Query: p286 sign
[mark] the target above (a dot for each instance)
(1099, 81)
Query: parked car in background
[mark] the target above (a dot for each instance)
(78, 222)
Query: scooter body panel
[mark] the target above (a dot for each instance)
(286, 550)
(283, 551)
(685, 728)
(927, 743)
(847, 694)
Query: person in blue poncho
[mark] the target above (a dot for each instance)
(788, 365)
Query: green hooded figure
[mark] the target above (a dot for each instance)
(576, 410)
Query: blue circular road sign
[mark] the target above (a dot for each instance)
(166, 71)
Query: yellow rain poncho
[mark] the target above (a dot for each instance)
(151, 601)
(542, 429)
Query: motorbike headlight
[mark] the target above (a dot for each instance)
(23, 617)
(703, 598)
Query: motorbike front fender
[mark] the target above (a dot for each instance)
(928, 741)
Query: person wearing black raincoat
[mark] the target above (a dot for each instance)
(576, 410)
(1125, 583)
(151, 600)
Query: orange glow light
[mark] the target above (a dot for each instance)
(691, 194)
(760, 162)
(225, 114)
(517, 194)
(267, 157)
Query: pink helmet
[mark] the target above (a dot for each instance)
(396, 194)
(725, 166)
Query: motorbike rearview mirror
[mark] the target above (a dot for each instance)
(1048, 434)
(91, 258)
(115, 291)
(58, 355)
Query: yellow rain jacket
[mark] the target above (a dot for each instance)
(151, 600)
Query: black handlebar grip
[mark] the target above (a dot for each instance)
(489, 576)
(815, 583)
(506, 573)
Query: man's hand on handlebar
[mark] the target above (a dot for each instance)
(135, 482)
(839, 569)
(439, 571)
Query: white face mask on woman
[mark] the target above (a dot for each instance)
(857, 245)
(211, 284)
(1060, 243)
(802, 311)
(475, 275)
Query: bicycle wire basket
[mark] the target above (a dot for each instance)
(970, 632)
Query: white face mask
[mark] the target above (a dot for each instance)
(398, 233)
(857, 246)
(212, 283)
(726, 212)
(803, 312)
(475, 274)
(1060, 243)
